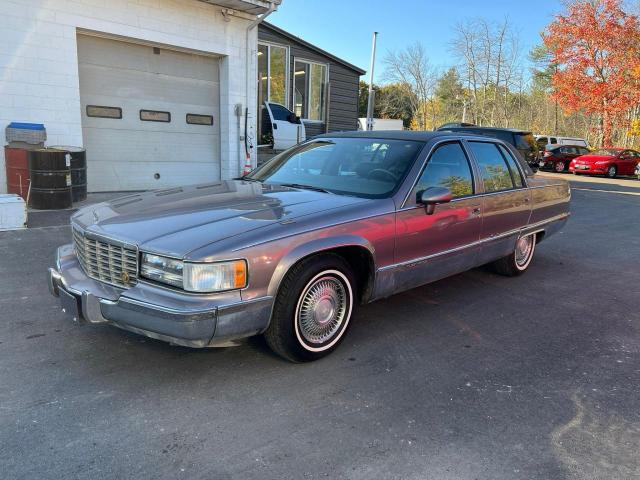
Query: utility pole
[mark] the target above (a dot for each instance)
(555, 128)
(370, 100)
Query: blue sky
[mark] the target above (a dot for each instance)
(344, 27)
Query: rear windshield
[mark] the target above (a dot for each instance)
(525, 141)
(362, 167)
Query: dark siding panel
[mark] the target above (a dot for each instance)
(343, 96)
(314, 129)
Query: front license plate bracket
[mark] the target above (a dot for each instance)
(70, 306)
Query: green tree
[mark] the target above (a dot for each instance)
(363, 98)
(450, 94)
(395, 100)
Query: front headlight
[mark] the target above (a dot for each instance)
(162, 269)
(195, 277)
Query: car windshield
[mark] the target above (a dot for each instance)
(606, 152)
(362, 167)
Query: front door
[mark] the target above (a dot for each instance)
(288, 130)
(430, 247)
(506, 203)
(628, 162)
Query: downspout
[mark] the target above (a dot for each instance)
(252, 25)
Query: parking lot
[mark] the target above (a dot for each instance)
(474, 377)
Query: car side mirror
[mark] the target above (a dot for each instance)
(293, 118)
(433, 196)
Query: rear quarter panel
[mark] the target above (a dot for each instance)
(550, 199)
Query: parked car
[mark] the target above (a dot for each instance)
(608, 161)
(544, 140)
(559, 157)
(522, 140)
(290, 250)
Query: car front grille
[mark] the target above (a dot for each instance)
(106, 261)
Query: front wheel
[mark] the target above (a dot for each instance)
(612, 171)
(313, 309)
(559, 167)
(517, 262)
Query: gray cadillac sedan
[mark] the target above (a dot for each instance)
(290, 250)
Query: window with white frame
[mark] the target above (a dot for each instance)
(272, 74)
(309, 90)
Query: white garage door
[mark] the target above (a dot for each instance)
(150, 117)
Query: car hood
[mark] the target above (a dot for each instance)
(177, 221)
(594, 158)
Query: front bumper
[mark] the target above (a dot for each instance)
(154, 311)
(590, 170)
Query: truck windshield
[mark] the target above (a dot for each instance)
(362, 167)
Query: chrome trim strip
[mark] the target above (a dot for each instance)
(474, 244)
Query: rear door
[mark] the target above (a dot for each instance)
(286, 132)
(506, 202)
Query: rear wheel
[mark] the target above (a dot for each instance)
(559, 167)
(612, 171)
(517, 262)
(313, 309)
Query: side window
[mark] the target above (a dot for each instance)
(447, 167)
(553, 140)
(279, 112)
(513, 166)
(583, 151)
(493, 169)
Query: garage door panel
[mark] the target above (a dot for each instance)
(109, 177)
(153, 147)
(143, 85)
(128, 153)
(131, 116)
(130, 56)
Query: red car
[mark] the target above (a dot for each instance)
(608, 161)
(558, 157)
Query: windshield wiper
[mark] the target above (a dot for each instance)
(248, 179)
(302, 186)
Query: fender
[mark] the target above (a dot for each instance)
(310, 248)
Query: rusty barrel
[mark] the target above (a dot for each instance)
(17, 168)
(50, 171)
(78, 166)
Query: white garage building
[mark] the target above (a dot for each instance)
(155, 90)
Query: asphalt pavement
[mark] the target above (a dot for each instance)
(474, 377)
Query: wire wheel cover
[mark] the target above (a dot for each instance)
(524, 249)
(322, 310)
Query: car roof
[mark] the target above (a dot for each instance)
(560, 145)
(489, 129)
(418, 136)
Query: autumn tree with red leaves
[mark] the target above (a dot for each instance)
(596, 46)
